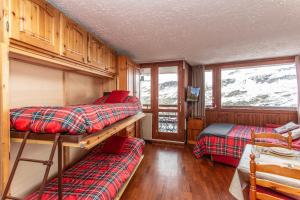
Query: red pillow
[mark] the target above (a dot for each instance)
(117, 96)
(114, 145)
(101, 100)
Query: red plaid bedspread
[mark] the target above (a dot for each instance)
(74, 120)
(98, 176)
(233, 144)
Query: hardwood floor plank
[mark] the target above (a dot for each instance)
(171, 172)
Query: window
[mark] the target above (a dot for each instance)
(208, 88)
(262, 86)
(168, 87)
(145, 88)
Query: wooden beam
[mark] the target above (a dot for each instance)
(4, 96)
(119, 195)
(4, 114)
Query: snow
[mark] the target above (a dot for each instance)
(264, 86)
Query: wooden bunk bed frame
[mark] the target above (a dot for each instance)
(86, 141)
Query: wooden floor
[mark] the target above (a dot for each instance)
(170, 172)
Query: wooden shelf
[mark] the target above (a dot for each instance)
(86, 141)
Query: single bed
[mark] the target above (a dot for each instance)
(226, 142)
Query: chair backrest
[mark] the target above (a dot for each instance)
(278, 187)
(286, 142)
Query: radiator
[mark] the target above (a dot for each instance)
(146, 127)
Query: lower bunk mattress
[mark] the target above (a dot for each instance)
(226, 142)
(99, 176)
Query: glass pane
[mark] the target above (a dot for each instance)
(266, 86)
(167, 122)
(145, 88)
(208, 88)
(168, 87)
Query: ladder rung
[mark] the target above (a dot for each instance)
(11, 197)
(45, 162)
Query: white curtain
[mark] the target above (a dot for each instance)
(297, 61)
(198, 80)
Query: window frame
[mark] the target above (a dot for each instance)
(217, 81)
(212, 79)
(151, 85)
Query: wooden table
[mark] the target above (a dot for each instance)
(240, 179)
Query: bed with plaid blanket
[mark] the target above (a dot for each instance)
(73, 120)
(99, 176)
(232, 144)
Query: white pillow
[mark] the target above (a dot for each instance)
(295, 134)
(287, 127)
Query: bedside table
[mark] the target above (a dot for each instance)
(195, 126)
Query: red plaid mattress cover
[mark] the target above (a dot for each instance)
(71, 120)
(233, 144)
(98, 176)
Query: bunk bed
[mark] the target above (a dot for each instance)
(81, 126)
(225, 142)
(98, 175)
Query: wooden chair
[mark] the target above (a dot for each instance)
(279, 191)
(287, 140)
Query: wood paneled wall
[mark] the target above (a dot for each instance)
(250, 117)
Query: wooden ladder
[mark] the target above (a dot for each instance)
(48, 163)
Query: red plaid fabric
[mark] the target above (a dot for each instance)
(98, 176)
(233, 144)
(74, 120)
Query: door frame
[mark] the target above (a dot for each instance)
(180, 136)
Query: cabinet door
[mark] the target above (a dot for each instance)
(35, 22)
(105, 58)
(113, 62)
(95, 52)
(74, 40)
(92, 57)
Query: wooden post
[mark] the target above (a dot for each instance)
(4, 96)
(60, 168)
(4, 114)
(290, 140)
(252, 137)
(252, 177)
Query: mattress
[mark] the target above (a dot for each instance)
(73, 120)
(231, 144)
(99, 176)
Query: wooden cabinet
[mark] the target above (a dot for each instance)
(195, 126)
(109, 59)
(112, 66)
(95, 52)
(40, 31)
(35, 22)
(101, 56)
(74, 40)
(129, 75)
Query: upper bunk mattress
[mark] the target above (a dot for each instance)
(73, 120)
